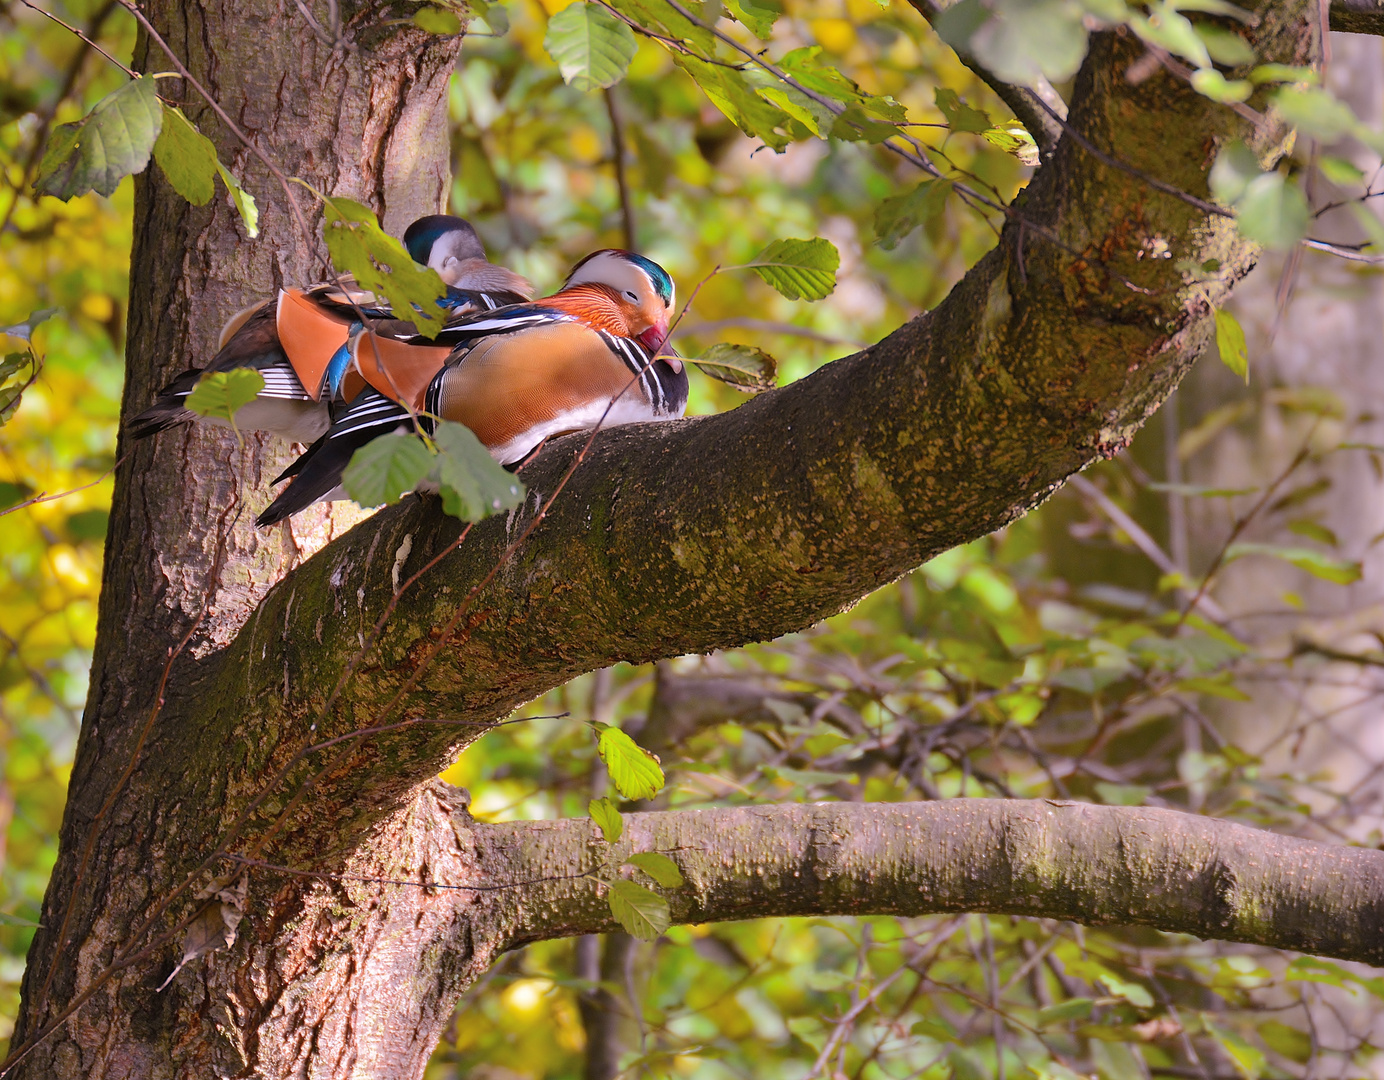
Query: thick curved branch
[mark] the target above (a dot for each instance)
(670, 539)
(1177, 872)
(1358, 16)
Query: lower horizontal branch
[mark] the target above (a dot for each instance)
(1090, 864)
(1358, 16)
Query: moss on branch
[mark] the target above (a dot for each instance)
(1176, 872)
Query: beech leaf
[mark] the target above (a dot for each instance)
(591, 47)
(1273, 212)
(438, 21)
(799, 269)
(111, 142)
(1230, 342)
(659, 867)
(219, 395)
(1326, 567)
(960, 116)
(386, 469)
(642, 912)
(473, 485)
(634, 771)
(186, 157)
(380, 264)
(604, 814)
(899, 215)
(744, 367)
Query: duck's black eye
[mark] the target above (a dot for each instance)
(632, 296)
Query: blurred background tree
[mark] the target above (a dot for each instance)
(1034, 663)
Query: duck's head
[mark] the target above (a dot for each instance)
(643, 287)
(444, 243)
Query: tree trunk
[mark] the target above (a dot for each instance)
(362, 116)
(284, 735)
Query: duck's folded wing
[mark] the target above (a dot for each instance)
(517, 389)
(310, 335)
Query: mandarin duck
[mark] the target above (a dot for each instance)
(299, 342)
(595, 352)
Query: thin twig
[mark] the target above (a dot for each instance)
(44, 497)
(1243, 523)
(617, 151)
(73, 30)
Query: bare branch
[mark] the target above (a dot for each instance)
(1177, 872)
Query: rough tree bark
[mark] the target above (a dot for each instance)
(678, 538)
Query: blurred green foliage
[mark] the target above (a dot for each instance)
(1059, 658)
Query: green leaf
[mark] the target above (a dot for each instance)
(633, 770)
(960, 116)
(1236, 165)
(359, 246)
(494, 15)
(473, 484)
(660, 16)
(1018, 40)
(1273, 212)
(936, 1029)
(1014, 139)
(89, 524)
(9, 402)
(732, 93)
(809, 112)
(1230, 343)
(1285, 73)
(659, 867)
(244, 202)
(1221, 687)
(1212, 84)
(386, 469)
(219, 395)
(1340, 171)
(13, 493)
(758, 19)
(1340, 571)
(1065, 1011)
(604, 814)
(438, 21)
(899, 215)
(1314, 530)
(1132, 992)
(1315, 112)
(1167, 28)
(966, 1065)
(799, 269)
(186, 157)
(642, 912)
(741, 366)
(1226, 47)
(111, 142)
(1249, 1060)
(1293, 1044)
(591, 47)
(1123, 794)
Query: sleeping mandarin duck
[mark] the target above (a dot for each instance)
(593, 353)
(300, 342)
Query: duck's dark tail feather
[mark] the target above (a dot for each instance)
(317, 472)
(167, 410)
